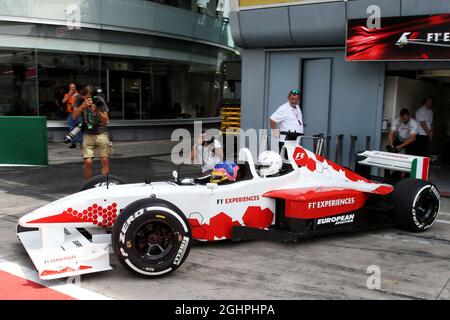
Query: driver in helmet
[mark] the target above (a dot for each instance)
(225, 172)
(269, 163)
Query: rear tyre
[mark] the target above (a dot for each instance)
(100, 180)
(416, 204)
(151, 237)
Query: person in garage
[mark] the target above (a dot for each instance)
(424, 117)
(403, 134)
(288, 117)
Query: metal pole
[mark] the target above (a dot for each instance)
(318, 143)
(123, 98)
(36, 64)
(368, 142)
(107, 85)
(339, 142)
(140, 99)
(351, 159)
(327, 147)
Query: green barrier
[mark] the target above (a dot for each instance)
(23, 140)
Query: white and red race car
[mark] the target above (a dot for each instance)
(151, 225)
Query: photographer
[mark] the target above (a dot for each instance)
(206, 152)
(93, 114)
(69, 101)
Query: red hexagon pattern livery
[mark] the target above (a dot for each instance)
(95, 214)
(221, 225)
(311, 161)
(302, 158)
(257, 218)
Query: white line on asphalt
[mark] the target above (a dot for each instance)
(443, 221)
(71, 290)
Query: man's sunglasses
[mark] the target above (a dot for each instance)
(294, 92)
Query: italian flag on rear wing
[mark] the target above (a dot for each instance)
(420, 168)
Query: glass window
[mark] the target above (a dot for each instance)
(35, 82)
(18, 78)
(56, 72)
(208, 7)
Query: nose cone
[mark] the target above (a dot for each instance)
(39, 216)
(61, 211)
(53, 215)
(24, 220)
(27, 219)
(93, 207)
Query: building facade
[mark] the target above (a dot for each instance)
(302, 44)
(156, 62)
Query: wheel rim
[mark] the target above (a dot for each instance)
(426, 207)
(154, 240)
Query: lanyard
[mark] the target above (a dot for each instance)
(296, 115)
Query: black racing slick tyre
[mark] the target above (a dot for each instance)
(416, 203)
(151, 237)
(101, 180)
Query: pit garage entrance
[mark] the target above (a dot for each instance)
(406, 88)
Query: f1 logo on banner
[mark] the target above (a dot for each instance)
(400, 38)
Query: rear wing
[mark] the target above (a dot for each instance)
(417, 166)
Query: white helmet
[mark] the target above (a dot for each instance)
(269, 163)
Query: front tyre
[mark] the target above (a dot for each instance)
(416, 203)
(151, 237)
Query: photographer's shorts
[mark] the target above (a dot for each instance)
(99, 144)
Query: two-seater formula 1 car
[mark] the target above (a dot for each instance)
(151, 225)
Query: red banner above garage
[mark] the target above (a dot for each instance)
(400, 39)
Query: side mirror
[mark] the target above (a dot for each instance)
(211, 185)
(175, 175)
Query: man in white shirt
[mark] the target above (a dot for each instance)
(424, 117)
(403, 133)
(207, 153)
(288, 117)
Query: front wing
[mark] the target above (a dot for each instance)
(76, 255)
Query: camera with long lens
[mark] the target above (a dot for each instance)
(71, 135)
(96, 100)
